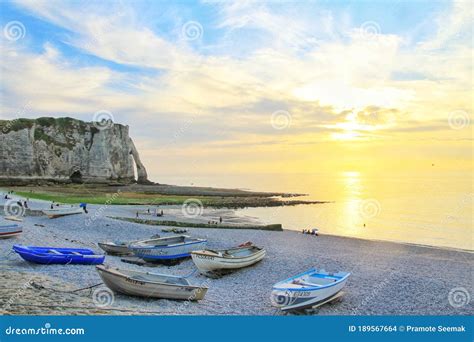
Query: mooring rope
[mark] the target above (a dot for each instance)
(41, 287)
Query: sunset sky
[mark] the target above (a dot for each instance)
(252, 86)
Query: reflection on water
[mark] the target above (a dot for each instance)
(432, 209)
(351, 205)
(424, 210)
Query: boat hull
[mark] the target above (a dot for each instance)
(308, 289)
(11, 230)
(40, 256)
(207, 262)
(288, 300)
(111, 248)
(55, 213)
(177, 251)
(126, 285)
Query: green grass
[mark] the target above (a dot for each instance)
(113, 198)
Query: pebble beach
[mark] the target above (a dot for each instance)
(386, 278)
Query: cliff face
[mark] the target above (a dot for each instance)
(67, 150)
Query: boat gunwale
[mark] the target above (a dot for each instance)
(312, 288)
(197, 240)
(62, 256)
(113, 244)
(200, 252)
(11, 233)
(101, 268)
(13, 225)
(38, 249)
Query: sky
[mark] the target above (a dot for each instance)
(246, 87)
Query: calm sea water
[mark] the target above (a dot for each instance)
(431, 209)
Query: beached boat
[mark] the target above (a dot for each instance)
(171, 247)
(58, 212)
(150, 285)
(54, 255)
(13, 218)
(116, 247)
(307, 289)
(120, 247)
(10, 230)
(208, 260)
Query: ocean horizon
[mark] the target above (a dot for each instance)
(432, 208)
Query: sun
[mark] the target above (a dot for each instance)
(351, 131)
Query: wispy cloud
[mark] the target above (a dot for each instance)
(330, 70)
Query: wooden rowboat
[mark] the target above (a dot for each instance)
(166, 248)
(54, 213)
(208, 260)
(10, 230)
(307, 289)
(150, 285)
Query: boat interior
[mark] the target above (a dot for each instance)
(236, 252)
(153, 277)
(172, 240)
(314, 280)
(55, 251)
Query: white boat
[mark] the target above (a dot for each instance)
(150, 285)
(9, 230)
(115, 247)
(166, 248)
(13, 218)
(58, 212)
(120, 247)
(307, 289)
(208, 260)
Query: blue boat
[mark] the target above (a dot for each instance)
(54, 255)
(311, 288)
(167, 248)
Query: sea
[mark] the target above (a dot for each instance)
(433, 208)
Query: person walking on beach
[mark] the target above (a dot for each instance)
(220, 219)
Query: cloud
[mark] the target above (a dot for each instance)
(453, 27)
(377, 116)
(308, 60)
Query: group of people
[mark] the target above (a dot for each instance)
(8, 193)
(81, 205)
(313, 231)
(156, 213)
(215, 222)
(23, 204)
